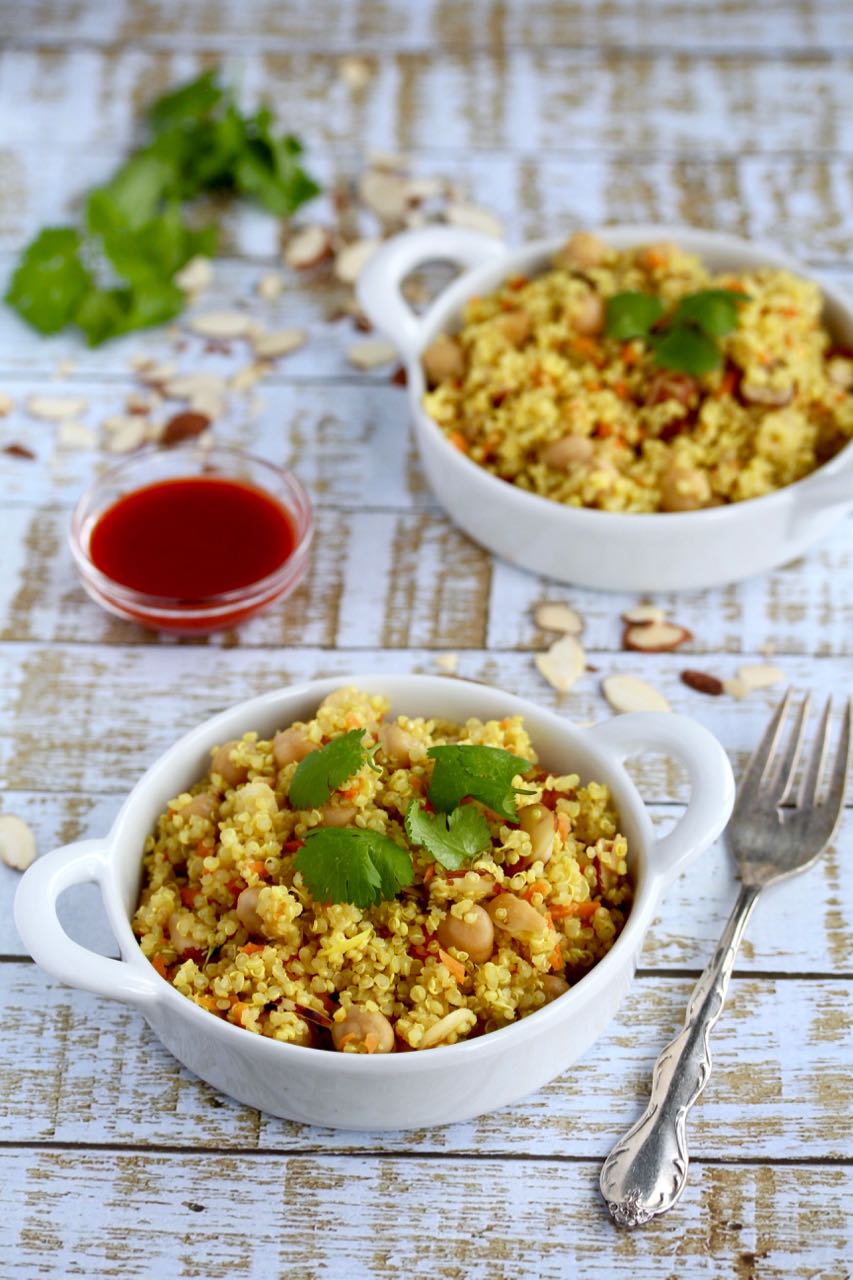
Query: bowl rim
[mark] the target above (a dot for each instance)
(448, 302)
(299, 509)
(648, 886)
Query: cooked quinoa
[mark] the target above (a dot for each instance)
(533, 390)
(227, 919)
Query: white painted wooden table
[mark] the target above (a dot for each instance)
(556, 115)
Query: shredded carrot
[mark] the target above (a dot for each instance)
(352, 792)
(203, 849)
(630, 354)
(653, 258)
(345, 1040)
(160, 965)
(603, 430)
(429, 873)
(238, 1009)
(583, 910)
(352, 720)
(251, 948)
(259, 868)
(209, 1003)
(728, 383)
(371, 1042)
(187, 896)
(586, 347)
(556, 958)
(562, 825)
(621, 389)
(458, 441)
(456, 967)
(538, 886)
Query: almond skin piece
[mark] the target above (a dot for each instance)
(702, 682)
(655, 637)
(183, 426)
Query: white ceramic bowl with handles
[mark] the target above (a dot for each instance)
(403, 1090)
(654, 552)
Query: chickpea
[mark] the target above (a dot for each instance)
(247, 911)
(553, 986)
(338, 815)
(581, 250)
(764, 393)
(289, 745)
(398, 744)
(539, 823)
(840, 372)
(476, 936)
(515, 326)
(204, 805)
(684, 489)
(361, 1023)
(568, 452)
(180, 931)
(515, 916)
(443, 359)
(588, 315)
(222, 764)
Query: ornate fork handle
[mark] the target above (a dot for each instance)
(646, 1171)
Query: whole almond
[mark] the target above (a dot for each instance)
(702, 682)
(308, 247)
(183, 426)
(655, 637)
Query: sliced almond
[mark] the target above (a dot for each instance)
(271, 286)
(195, 275)
(130, 435)
(184, 426)
(119, 422)
(386, 194)
(476, 218)
(247, 377)
(355, 72)
(420, 189)
(185, 385)
(553, 615)
(308, 247)
(64, 368)
(761, 675)
(155, 374)
(208, 403)
(75, 435)
(136, 402)
(562, 664)
(390, 160)
(17, 842)
(371, 354)
(222, 324)
(644, 613)
(655, 637)
(629, 693)
(353, 258)
(6, 404)
(448, 662)
(55, 408)
(280, 342)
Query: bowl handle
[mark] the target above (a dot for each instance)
(51, 947)
(712, 788)
(379, 283)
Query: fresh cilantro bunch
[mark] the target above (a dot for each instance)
(687, 341)
(364, 867)
(136, 231)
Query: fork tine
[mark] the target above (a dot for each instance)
(764, 753)
(838, 781)
(813, 773)
(785, 770)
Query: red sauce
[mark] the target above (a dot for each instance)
(189, 539)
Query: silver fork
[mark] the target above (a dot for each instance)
(771, 839)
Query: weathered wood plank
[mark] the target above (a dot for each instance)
(779, 1083)
(764, 28)
(122, 706)
(805, 927)
(139, 1214)
(408, 598)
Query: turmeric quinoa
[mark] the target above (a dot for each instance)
(534, 390)
(226, 916)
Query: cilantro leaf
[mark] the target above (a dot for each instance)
(50, 281)
(189, 102)
(631, 315)
(687, 350)
(452, 840)
(483, 773)
(108, 313)
(347, 864)
(158, 248)
(133, 195)
(268, 169)
(321, 772)
(714, 311)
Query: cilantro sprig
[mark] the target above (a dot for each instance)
(118, 275)
(481, 773)
(348, 864)
(687, 340)
(323, 771)
(452, 839)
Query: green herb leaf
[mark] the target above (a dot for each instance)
(321, 772)
(347, 864)
(158, 248)
(452, 840)
(631, 315)
(190, 102)
(268, 170)
(50, 281)
(714, 311)
(108, 313)
(133, 196)
(687, 350)
(483, 773)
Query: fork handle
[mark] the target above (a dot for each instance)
(646, 1171)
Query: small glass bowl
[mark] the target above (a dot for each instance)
(211, 613)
